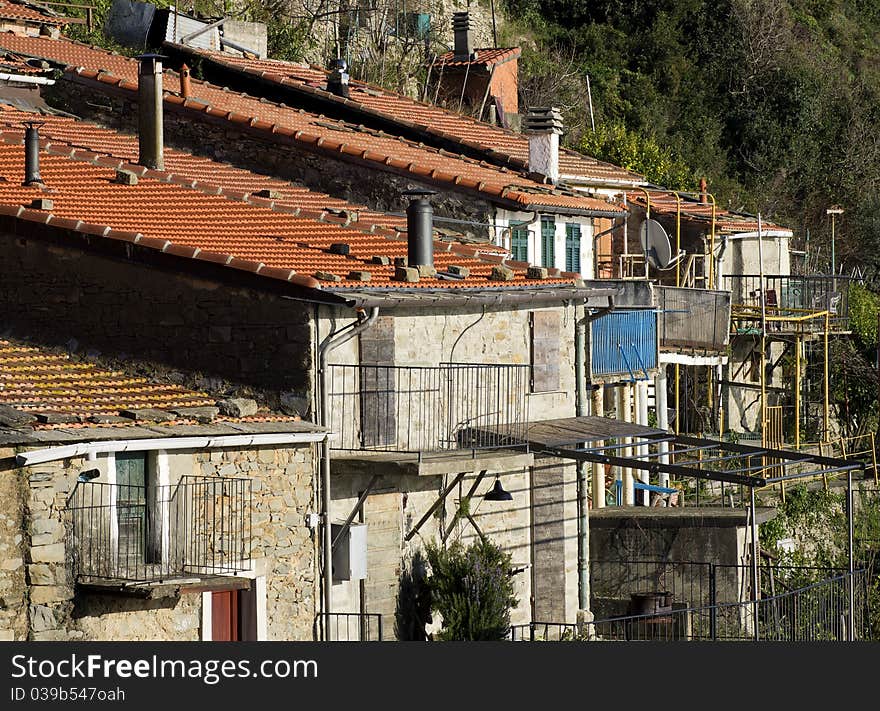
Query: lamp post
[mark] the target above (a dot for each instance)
(833, 210)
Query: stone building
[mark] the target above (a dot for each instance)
(492, 340)
(134, 509)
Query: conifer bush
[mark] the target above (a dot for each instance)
(471, 589)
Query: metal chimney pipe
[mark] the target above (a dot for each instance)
(420, 228)
(150, 130)
(32, 153)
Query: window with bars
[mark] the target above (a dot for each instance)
(572, 248)
(548, 241)
(519, 243)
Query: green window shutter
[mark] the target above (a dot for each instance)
(572, 248)
(519, 244)
(548, 247)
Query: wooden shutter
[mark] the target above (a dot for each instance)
(378, 396)
(548, 242)
(544, 327)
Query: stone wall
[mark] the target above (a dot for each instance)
(358, 182)
(283, 550)
(124, 309)
(13, 540)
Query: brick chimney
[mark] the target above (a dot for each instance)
(543, 126)
(150, 130)
(464, 37)
(185, 85)
(704, 191)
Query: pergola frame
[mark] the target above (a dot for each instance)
(597, 440)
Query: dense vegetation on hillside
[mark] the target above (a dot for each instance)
(776, 102)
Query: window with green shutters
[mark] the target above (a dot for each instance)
(548, 247)
(519, 243)
(572, 248)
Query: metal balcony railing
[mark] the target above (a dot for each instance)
(791, 298)
(350, 627)
(200, 526)
(697, 319)
(427, 408)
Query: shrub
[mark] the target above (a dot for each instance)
(471, 589)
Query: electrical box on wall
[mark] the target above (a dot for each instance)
(350, 553)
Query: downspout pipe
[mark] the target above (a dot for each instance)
(333, 341)
(580, 374)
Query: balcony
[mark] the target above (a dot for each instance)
(792, 304)
(693, 319)
(130, 534)
(453, 406)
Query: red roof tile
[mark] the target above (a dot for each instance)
(308, 128)
(37, 381)
(165, 216)
(496, 141)
(664, 202)
(485, 56)
(29, 13)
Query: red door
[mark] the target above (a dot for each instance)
(225, 625)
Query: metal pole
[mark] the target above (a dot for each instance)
(598, 468)
(849, 522)
(583, 524)
(833, 257)
(763, 336)
(754, 565)
(826, 403)
(590, 101)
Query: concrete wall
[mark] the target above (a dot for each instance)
(624, 541)
(47, 605)
(120, 308)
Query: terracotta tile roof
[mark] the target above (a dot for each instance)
(500, 144)
(210, 176)
(318, 133)
(160, 213)
(63, 393)
(726, 221)
(34, 381)
(485, 56)
(29, 13)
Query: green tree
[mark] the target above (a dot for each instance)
(472, 590)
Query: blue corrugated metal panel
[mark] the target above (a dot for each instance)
(624, 343)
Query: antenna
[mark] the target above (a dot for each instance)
(656, 246)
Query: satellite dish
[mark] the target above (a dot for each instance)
(655, 244)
